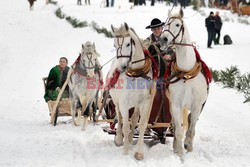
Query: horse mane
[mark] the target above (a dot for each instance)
(135, 37)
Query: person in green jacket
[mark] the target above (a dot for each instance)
(57, 77)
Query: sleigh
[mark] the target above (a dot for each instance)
(241, 9)
(159, 124)
(63, 108)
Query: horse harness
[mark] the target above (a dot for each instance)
(80, 67)
(180, 31)
(175, 71)
(139, 72)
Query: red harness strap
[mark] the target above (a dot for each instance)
(206, 72)
(155, 66)
(112, 81)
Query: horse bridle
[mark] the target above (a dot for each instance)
(119, 49)
(89, 57)
(181, 31)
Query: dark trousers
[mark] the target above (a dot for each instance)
(217, 37)
(210, 37)
(152, 2)
(79, 2)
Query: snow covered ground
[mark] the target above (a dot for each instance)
(32, 42)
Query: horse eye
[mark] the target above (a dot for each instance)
(177, 25)
(128, 44)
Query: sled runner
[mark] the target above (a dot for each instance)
(63, 108)
(159, 124)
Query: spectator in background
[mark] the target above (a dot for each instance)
(87, 2)
(183, 3)
(152, 2)
(112, 3)
(79, 2)
(210, 24)
(31, 4)
(175, 2)
(218, 25)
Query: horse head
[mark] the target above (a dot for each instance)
(124, 44)
(89, 57)
(173, 30)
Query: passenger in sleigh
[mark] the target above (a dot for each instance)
(151, 43)
(160, 112)
(56, 78)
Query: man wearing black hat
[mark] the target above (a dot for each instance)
(160, 108)
(152, 44)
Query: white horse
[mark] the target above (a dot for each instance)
(132, 68)
(190, 91)
(84, 83)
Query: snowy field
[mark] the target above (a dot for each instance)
(31, 42)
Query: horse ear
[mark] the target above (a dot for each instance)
(94, 44)
(181, 13)
(112, 28)
(82, 46)
(126, 26)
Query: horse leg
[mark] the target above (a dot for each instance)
(118, 136)
(74, 102)
(78, 108)
(178, 130)
(134, 121)
(193, 117)
(85, 116)
(125, 130)
(144, 112)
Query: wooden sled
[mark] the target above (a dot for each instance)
(241, 9)
(244, 10)
(63, 108)
(159, 125)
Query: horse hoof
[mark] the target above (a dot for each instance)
(77, 122)
(118, 144)
(188, 148)
(139, 156)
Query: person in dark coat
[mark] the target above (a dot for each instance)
(161, 103)
(57, 77)
(79, 2)
(107, 3)
(152, 44)
(210, 24)
(218, 25)
(31, 4)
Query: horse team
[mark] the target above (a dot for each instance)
(187, 94)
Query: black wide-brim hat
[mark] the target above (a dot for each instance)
(155, 23)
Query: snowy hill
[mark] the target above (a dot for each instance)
(31, 42)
